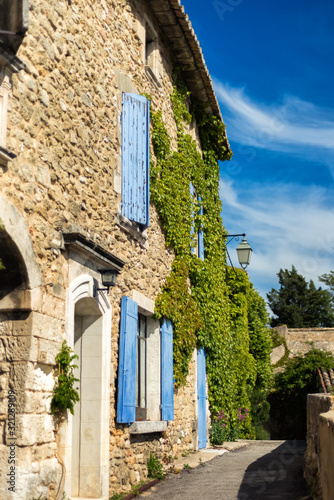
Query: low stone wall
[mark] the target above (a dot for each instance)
(326, 432)
(298, 340)
(319, 455)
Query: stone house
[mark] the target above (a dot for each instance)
(74, 199)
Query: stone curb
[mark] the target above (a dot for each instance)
(140, 490)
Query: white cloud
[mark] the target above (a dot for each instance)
(286, 127)
(287, 223)
(282, 228)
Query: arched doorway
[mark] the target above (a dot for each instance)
(86, 423)
(86, 433)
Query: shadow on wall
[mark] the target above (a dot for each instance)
(14, 273)
(278, 474)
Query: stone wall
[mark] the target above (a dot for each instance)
(64, 126)
(318, 464)
(326, 433)
(298, 341)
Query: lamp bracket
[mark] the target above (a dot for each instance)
(233, 236)
(96, 290)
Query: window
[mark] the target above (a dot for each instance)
(141, 368)
(135, 158)
(145, 371)
(151, 54)
(5, 87)
(201, 234)
(198, 248)
(150, 47)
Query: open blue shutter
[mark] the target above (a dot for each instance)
(200, 236)
(135, 157)
(126, 404)
(167, 387)
(201, 397)
(192, 232)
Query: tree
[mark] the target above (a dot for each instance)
(328, 279)
(299, 304)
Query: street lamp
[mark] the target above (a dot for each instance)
(108, 277)
(244, 250)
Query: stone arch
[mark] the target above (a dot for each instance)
(22, 274)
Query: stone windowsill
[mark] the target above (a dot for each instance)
(152, 76)
(6, 156)
(147, 426)
(132, 229)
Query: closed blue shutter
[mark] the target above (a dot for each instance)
(126, 404)
(135, 157)
(167, 388)
(200, 236)
(192, 232)
(201, 398)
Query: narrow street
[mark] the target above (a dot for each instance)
(263, 470)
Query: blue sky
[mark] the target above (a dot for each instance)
(272, 70)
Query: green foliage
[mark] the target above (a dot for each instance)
(177, 304)
(328, 279)
(187, 466)
(206, 312)
(136, 487)
(1, 265)
(212, 133)
(221, 431)
(299, 304)
(155, 469)
(291, 386)
(64, 394)
(117, 496)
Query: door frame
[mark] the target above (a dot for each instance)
(83, 287)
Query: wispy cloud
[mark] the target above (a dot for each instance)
(286, 126)
(287, 223)
(282, 228)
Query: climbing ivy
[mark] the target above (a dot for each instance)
(177, 304)
(205, 310)
(64, 394)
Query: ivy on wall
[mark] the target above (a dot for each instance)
(205, 310)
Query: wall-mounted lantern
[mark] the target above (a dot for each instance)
(108, 277)
(244, 250)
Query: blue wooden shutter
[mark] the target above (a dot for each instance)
(126, 404)
(135, 157)
(192, 231)
(200, 235)
(167, 387)
(201, 398)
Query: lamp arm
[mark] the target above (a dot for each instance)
(233, 236)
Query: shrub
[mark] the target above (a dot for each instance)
(155, 468)
(288, 399)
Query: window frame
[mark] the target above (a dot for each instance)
(135, 159)
(157, 399)
(141, 369)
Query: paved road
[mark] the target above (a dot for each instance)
(261, 471)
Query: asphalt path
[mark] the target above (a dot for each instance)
(266, 470)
